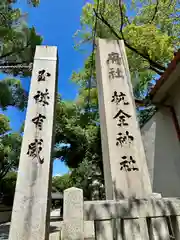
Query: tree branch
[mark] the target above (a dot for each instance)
(13, 64)
(15, 52)
(155, 11)
(121, 15)
(156, 70)
(4, 171)
(129, 22)
(170, 3)
(151, 62)
(3, 15)
(107, 24)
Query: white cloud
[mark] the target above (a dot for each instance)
(57, 175)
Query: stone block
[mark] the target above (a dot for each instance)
(73, 225)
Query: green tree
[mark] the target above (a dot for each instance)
(79, 133)
(12, 94)
(151, 35)
(150, 31)
(34, 3)
(60, 183)
(89, 177)
(7, 187)
(10, 144)
(18, 43)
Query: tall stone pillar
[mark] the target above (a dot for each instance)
(32, 196)
(125, 167)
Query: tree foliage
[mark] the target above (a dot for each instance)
(77, 130)
(150, 31)
(61, 183)
(7, 187)
(12, 94)
(18, 43)
(86, 176)
(10, 144)
(78, 144)
(89, 177)
(4, 124)
(34, 3)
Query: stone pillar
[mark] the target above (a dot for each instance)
(73, 222)
(125, 167)
(30, 216)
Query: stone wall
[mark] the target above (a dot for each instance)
(163, 152)
(176, 99)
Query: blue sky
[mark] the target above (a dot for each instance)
(56, 21)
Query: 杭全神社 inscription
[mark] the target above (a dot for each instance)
(128, 164)
(117, 98)
(122, 139)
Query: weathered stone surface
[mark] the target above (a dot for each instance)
(72, 230)
(89, 231)
(134, 208)
(176, 226)
(118, 120)
(73, 224)
(155, 195)
(32, 197)
(104, 230)
(73, 202)
(136, 229)
(159, 229)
